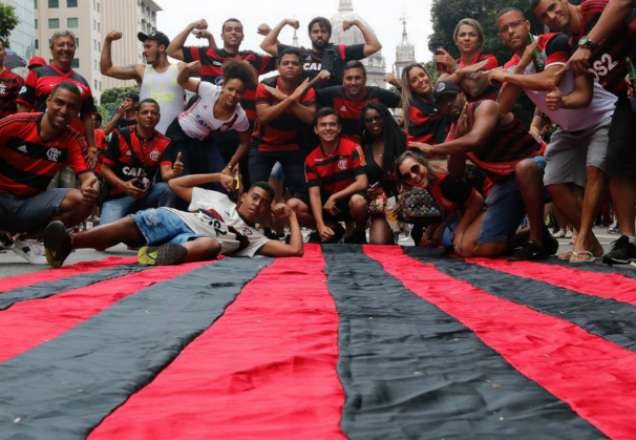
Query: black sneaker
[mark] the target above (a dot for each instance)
(622, 252)
(550, 244)
(529, 251)
(164, 255)
(57, 243)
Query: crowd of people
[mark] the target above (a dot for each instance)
(209, 158)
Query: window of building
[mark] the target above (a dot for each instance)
(36, 43)
(35, 23)
(77, 42)
(75, 63)
(95, 84)
(35, 4)
(54, 4)
(54, 23)
(71, 3)
(72, 22)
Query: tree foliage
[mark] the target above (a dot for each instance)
(112, 98)
(8, 20)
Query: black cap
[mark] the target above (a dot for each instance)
(159, 37)
(445, 88)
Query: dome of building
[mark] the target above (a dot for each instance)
(375, 64)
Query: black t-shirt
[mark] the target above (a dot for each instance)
(332, 58)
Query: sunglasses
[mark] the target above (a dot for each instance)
(415, 169)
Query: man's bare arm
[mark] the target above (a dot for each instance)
(133, 71)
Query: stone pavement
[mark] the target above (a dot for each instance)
(12, 264)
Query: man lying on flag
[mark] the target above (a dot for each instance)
(212, 225)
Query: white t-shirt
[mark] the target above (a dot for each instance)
(600, 109)
(199, 121)
(213, 214)
(163, 88)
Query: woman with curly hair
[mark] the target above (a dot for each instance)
(216, 109)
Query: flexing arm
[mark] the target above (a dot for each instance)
(182, 186)
(535, 81)
(371, 42)
(175, 48)
(183, 78)
(106, 67)
(270, 42)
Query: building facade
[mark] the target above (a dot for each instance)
(375, 64)
(404, 53)
(90, 21)
(22, 38)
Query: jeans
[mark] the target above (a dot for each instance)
(158, 195)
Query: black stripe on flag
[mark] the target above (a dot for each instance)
(46, 289)
(412, 371)
(607, 318)
(63, 388)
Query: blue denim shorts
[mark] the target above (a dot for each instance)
(504, 209)
(160, 225)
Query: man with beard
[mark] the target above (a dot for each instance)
(134, 156)
(607, 60)
(158, 78)
(324, 58)
(352, 96)
(33, 147)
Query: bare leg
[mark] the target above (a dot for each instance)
(302, 212)
(359, 210)
(102, 237)
(531, 188)
(202, 248)
(74, 209)
(623, 191)
(585, 239)
(380, 232)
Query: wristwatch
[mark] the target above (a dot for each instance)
(586, 43)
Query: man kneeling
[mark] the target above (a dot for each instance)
(213, 225)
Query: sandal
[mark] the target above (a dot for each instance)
(565, 256)
(582, 257)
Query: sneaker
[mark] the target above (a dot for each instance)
(164, 255)
(529, 251)
(30, 249)
(57, 243)
(550, 244)
(622, 252)
(613, 230)
(6, 241)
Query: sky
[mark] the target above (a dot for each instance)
(382, 16)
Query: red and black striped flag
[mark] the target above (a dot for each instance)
(345, 342)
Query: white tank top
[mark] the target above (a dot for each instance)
(163, 88)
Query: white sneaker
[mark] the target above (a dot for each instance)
(30, 249)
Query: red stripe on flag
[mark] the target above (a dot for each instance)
(594, 376)
(26, 279)
(28, 324)
(602, 285)
(265, 370)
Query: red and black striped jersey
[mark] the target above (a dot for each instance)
(608, 64)
(425, 124)
(212, 61)
(10, 85)
(130, 155)
(284, 132)
(350, 110)
(39, 83)
(505, 147)
(336, 171)
(491, 61)
(27, 163)
(552, 48)
(451, 192)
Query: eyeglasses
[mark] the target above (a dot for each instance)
(514, 25)
(373, 119)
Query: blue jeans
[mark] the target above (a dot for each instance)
(158, 195)
(292, 162)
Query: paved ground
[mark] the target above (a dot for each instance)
(12, 264)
